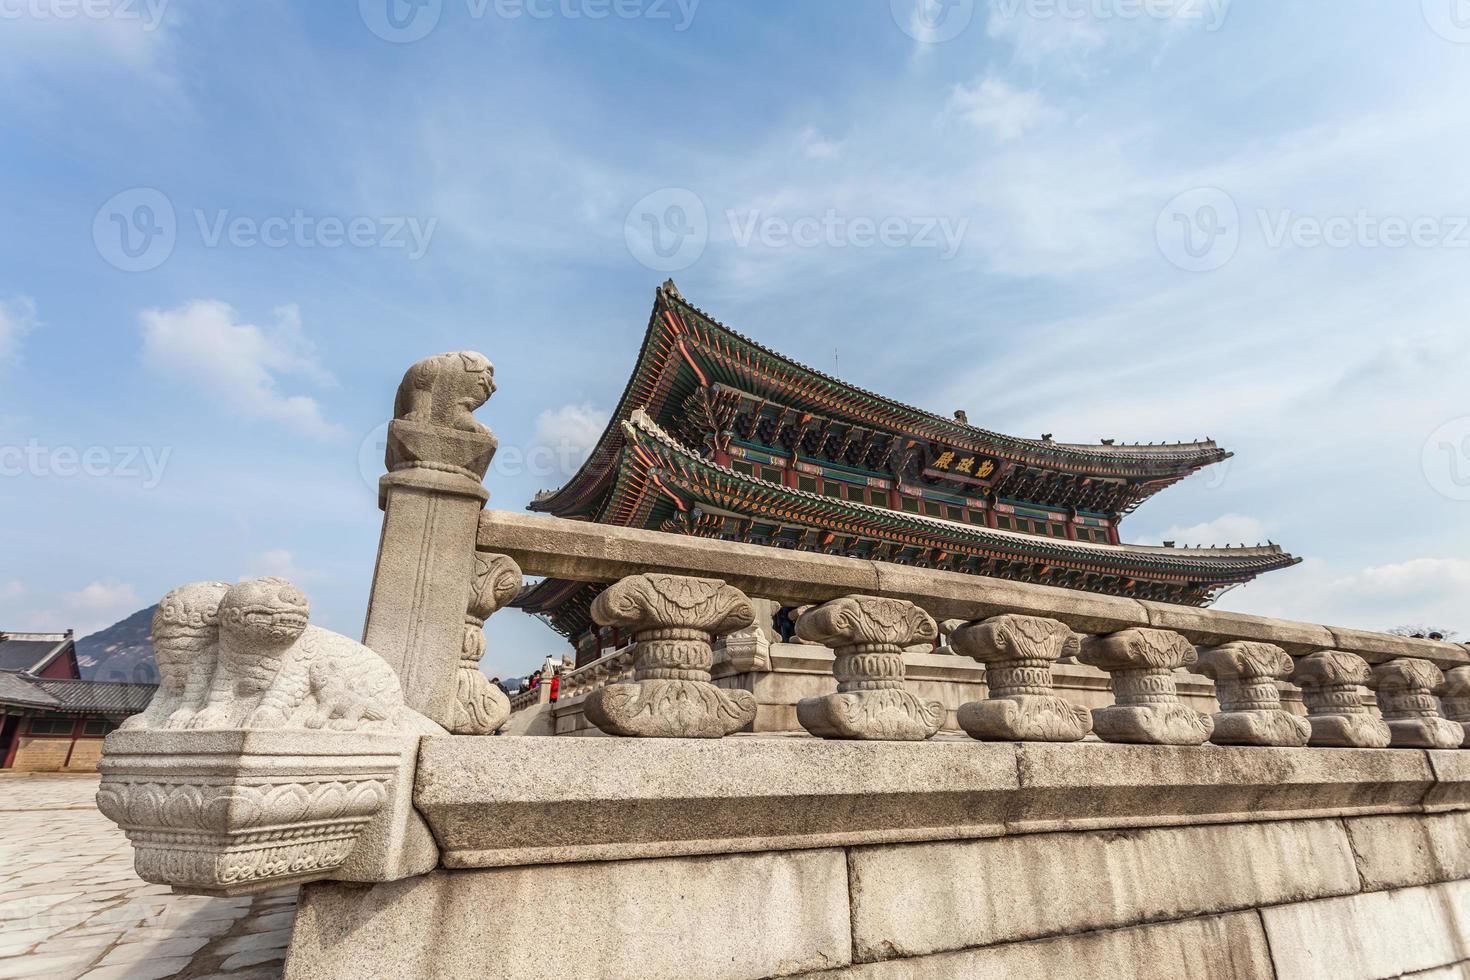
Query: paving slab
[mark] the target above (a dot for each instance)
(73, 911)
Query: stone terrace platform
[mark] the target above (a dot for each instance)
(71, 906)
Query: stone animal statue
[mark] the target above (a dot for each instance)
(445, 390)
(254, 661)
(185, 633)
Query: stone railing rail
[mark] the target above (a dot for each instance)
(585, 552)
(607, 669)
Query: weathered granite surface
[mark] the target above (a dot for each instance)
(508, 801)
(933, 897)
(1217, 947)
(729, 917)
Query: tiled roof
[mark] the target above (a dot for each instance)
(74, 697)
(30, 652)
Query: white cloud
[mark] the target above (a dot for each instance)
(819, 147)
(571, 430)
(52, 35)
(1427, 591)
(1230, 529)
(280, 563)
(996, 107)
(12, 590)
(205, 344)
(1074, 37)
(98, 606)
(17, 318)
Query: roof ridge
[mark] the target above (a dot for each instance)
(1044, 444)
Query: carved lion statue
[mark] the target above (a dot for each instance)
(246, 656)
(445, 390)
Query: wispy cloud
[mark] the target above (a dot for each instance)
(17, 318)
(206, 345)
(992, 105)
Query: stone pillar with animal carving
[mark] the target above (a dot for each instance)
(431, 498)
(869, 634)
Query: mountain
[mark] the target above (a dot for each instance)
(121, 652)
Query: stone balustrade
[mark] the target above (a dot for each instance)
(683, 593)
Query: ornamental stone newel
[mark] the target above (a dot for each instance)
(1147, 709)
(673, 620)
(1455, 699)
(1018, 652)
(868, 635)
(431, 498)
(479, 706)
(274, 752)
(1245, 675)
(1332, 685)
(1406, 697)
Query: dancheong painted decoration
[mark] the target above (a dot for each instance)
(719, 437)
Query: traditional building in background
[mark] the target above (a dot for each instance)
(719, 437)
(51, 719)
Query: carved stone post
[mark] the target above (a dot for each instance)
(1018, 652)
(1250, 713)
(1455, 699)
(869, 635)
(1406, 698)
(431, 499)
(1332, 683)
(749, 649)
(1148, 709)
(479, 706)
(673, 620)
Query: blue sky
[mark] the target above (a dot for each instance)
(230, 226)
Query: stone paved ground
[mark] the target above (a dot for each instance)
(70, 905)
